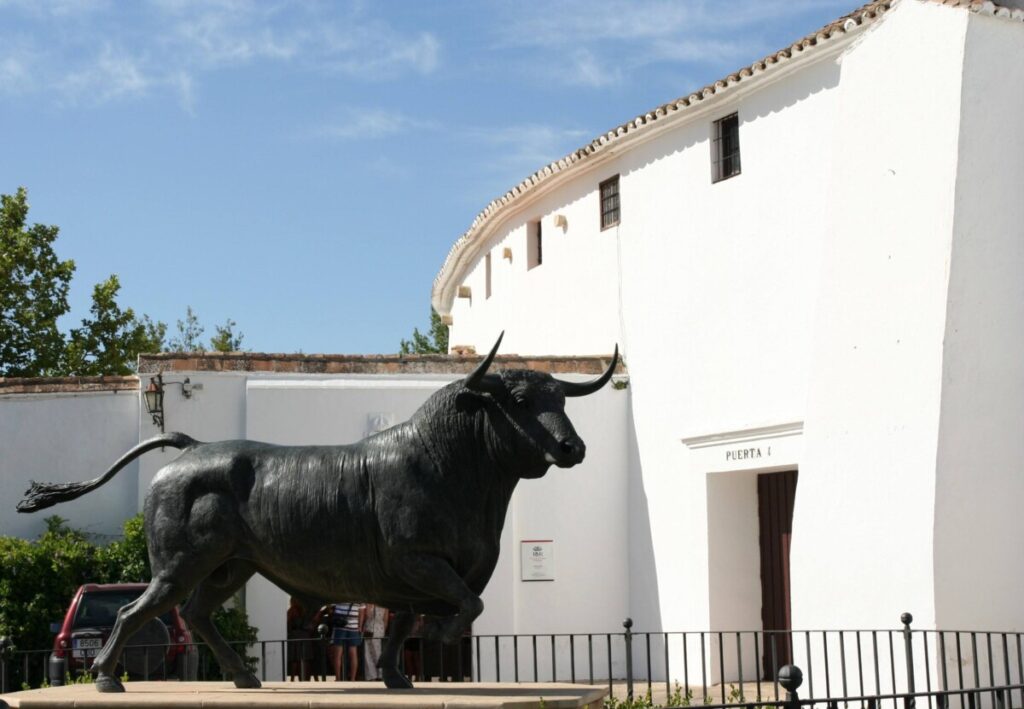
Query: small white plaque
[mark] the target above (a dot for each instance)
(538, 560)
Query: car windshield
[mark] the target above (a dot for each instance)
(99, 608)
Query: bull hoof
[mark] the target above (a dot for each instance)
(393, 679)
(108, 684)
(246, 680)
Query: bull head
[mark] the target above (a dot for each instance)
(534, 405)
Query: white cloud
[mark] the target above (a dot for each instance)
(14, 75)
(386, 167)
(587, 70)
(597, 43)
(112, 74)
(363, 124)
(373, 51)
(528, 147)
(168, 45)
(186, 94)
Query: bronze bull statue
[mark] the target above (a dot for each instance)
(409, 518)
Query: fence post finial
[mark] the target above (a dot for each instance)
(791, 677)
(908, 644)
(628, 637)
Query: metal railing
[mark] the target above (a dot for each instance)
(873, 668)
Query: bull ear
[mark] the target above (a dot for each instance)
(574, 389)
(478, 380)
(469, 401)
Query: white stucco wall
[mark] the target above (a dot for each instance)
(567, 305)
(68, 438)
(864, 519)
(866, 495)
(978, 528)
(859, 276)
(214, 412)
(714, 314)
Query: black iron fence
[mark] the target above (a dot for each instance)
(902, 668)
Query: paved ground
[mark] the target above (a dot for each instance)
(310, 695)
(734, 693)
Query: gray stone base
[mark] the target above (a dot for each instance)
(318, 695)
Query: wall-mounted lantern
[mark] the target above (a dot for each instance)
(154, 397)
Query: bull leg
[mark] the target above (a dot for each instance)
(435, 577)
(209, 595)
(399, 629)
(161, 595)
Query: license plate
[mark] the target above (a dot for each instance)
(84, 653)
(87, 643)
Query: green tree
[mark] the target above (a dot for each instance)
(127, 560)
(226, 340)
(34, 287)
(111, 341)
(38, 579)
(435, 342)
(189, 334)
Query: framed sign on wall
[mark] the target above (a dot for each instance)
(537, 557)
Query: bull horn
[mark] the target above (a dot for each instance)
(584, 388)
(475, 380)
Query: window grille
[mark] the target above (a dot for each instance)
(726, 148)
(534, 245)
(610, 202)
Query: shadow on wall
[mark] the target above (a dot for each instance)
(644, 600)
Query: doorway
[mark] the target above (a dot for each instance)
(776, 493)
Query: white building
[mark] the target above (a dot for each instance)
(811, 265)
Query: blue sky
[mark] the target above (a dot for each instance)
(304, 167)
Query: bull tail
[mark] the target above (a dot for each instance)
(42, 495)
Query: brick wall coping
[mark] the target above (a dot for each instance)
(67, 385)
(298, 364)
(362, 364)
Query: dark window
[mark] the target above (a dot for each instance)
(610, 202)
(99, 608)
(534, 245)
(726, 148)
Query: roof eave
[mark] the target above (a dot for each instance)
(641, 129)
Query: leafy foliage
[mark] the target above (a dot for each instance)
(189, 334)
(34, 287)
(233, 624)
(226, 340)
(111, 341)
(435, 342)
(38, 579)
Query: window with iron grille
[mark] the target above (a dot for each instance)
(534, 245)
(610, 202)
(726, 148)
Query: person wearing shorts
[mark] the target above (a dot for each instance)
(346, 639)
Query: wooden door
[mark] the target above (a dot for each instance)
(776, 493)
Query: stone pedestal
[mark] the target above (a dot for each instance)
(315, 695)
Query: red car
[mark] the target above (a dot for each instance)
(88, 623)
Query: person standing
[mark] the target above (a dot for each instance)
(374, 629)
(346, 639)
